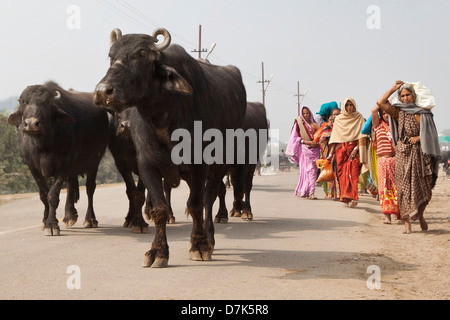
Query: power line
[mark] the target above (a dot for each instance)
(132, 18)
(140, 14)
(124, 14)
(132, 14)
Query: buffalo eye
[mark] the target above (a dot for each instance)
(141, 54)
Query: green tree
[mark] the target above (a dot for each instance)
(14, 174)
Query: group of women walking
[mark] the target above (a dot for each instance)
(405, 141)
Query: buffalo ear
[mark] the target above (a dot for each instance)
(15, 119)
(64, 118)
(171, 80)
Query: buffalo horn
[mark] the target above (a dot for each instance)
(165, 43)
(115, 35)
(57, 95)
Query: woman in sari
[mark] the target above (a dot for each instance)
(330, 188)
(417, 152)
(385, 153)
(304, 151)
(345, 144)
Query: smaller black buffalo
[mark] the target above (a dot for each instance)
(62, 135)
(255, 119)
(123, 151)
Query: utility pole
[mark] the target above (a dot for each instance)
(298, 95)
(263, 82)
(200, 50)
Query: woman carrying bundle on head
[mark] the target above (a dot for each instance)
(417, 152)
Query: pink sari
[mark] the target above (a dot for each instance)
(305, 157)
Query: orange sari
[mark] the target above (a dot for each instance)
(348, 171)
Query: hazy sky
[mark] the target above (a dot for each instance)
(334, 48)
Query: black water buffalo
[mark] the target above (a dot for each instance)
(124, 155)
(171, 91)
(62, 135)
(255, 119)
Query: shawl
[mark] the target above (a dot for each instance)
(293, 148)
(306, 132)
(429, 141)
(347, 126)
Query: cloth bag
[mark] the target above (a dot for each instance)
(327, 173)
(424, 96)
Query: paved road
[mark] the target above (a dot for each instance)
(294, 249)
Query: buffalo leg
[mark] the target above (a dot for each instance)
(247, 210)
(158, 255)
(51, 224)
(221, 216)
(168, 193)
(130, 189)
(90, 221)
(73, 195)
(137, 202)
(237, 180)
(201, 249)
(210, 195)
(43, 192)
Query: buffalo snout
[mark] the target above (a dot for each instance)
(31, 125)
(103, 94)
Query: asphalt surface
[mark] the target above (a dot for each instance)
(293, 249)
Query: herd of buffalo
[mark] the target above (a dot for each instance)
(149, 90)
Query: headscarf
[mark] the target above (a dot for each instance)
(327, 108)
(305, 129)
(347, 126)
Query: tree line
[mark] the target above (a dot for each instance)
(15, 177)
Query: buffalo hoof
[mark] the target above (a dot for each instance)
(90, 224)
(150, 261)
(220, 220)
(247, 216)
(235, 213)
(200, 256)
(53, 231)
(127, 224)
(148, 216)
(70, 222)
(171, 220)
(139, 229)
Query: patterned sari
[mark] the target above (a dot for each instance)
(386, 169)
(330, 188)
